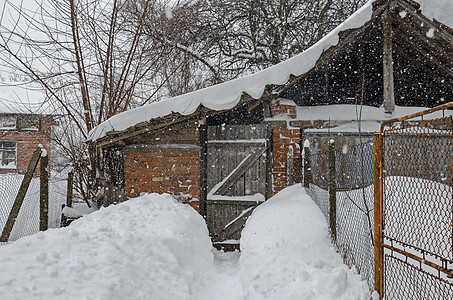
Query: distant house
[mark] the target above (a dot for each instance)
(22, 126)
(229, 146)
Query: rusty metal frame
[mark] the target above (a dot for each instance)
(379, 203)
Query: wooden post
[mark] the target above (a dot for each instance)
(378, 221)
(69, 189)
(387, 63)
(332, 191)
(269, 187)
(290, 166)
(20, 196)
(307, 162)
(203, 131)
(44, 192)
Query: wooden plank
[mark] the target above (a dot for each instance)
(387, 63)
(235, 227)
(203, 131)
(332, 192)
(44, 193)
(239, 171)
(268, 169)
(69, 189)
(20, 196)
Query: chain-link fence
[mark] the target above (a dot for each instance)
(353, 196)
(27, 221)
(416, 208)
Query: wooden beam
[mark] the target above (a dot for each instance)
(387, 62)
(203, 131)
(443, 33)
(44, 193)
(410, 46)
(233, 227)
(347, 40)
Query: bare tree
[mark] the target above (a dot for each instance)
(92, 62)
(217, 40)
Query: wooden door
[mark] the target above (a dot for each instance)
(238, 173)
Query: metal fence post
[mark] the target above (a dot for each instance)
(332, 191)
(307, 162)
(44, 192)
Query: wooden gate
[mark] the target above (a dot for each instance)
(238, 177)
(414, 207)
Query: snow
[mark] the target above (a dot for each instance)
(350, 112)
(430, 32)
(371, 117)
(287, 253)
(227, 95)
(441, 10)
(153, 247)
(150, 247)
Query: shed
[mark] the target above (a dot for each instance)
(224, 149)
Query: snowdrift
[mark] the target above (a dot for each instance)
(287, 253)
(150, 247)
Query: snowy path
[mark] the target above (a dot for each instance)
(155, 248)
(225, 284)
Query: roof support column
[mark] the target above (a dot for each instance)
(389, 92)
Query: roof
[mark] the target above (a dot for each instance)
(227, 95)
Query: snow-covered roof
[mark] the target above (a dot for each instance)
(348, 116)
(228, 94)
(23, 98)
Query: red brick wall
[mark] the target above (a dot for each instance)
(282, 139)
(27, 141)
(169, 170)
(277, 108)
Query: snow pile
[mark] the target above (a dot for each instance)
(287, 253)
(151, 247)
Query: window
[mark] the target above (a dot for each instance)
(8, 155)
(7, 122)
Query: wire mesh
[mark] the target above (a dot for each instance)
(355, 208)
(406, 281)
(354, 200)
(318, 189)
(27, 221)
(418, 208)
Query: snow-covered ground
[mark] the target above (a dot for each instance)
(153, 247)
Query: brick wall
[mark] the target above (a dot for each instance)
(282, 140)
(280, 106)
(163, 169)
(26, 143)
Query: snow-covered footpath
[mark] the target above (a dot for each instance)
(153, 247)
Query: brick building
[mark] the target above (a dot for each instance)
(20, 134)
(228, 147)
